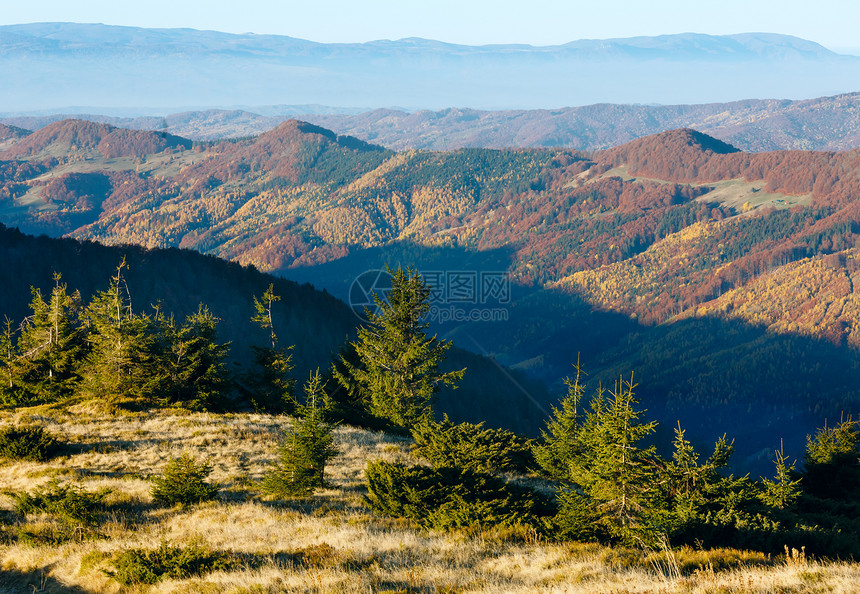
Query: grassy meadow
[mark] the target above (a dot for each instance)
(330, 542)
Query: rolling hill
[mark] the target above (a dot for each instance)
(83, 137)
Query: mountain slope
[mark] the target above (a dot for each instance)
(79, 135)
(10, 135)
(316, 323)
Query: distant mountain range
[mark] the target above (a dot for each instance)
(49, 65)
(825, 123)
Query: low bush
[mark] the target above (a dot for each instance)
(305, 449)
(183, 482)
(27, 443)
(446, 498)
(142, 566)
(71, 503)
(470, 446)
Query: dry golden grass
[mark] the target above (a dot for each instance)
(744, 196)
(328, 543)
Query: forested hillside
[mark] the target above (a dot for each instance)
(652, 257)
(177, 282)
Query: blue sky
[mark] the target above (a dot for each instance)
(832, 23)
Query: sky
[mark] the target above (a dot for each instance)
(832, 23)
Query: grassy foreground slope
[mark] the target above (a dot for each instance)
(330, 542)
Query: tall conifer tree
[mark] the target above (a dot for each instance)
(50, 345)
(399, 363)
(268, 384)
(117, 340)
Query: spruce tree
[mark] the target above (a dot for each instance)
(784, 489)
(9, 394)
(832, 461)
(304, 450)
(188, 365)
(399, 363)
(118, 339)
(50, 345)
(560, 441)
(694, 489)
(268, 385)
(616, 471)
(612, 483)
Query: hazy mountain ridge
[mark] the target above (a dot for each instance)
(825, 123)
(53, 64)
(87, 37)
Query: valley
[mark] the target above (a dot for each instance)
(664, 241)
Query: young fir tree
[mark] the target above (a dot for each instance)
(10, 394)
(616, 469)
(304, 450)
(399, 363)
(613, 488)
(118, 341)
(832, 462)
(269, 385)
(560, 440)
(187, 366)
(694, 489)
(784, 489)
(50, 345)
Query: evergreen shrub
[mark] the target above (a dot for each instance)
(183, 482)
(470, 446)
(141, 566)
(446, 498)
(71, 503)
(27, 443)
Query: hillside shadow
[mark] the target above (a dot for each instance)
(317, 504)
(337, 276)
(718, 376)
(714, 376)
(36, 580)
(513, 343)
(111, 445)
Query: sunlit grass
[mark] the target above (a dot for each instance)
(330, 542)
